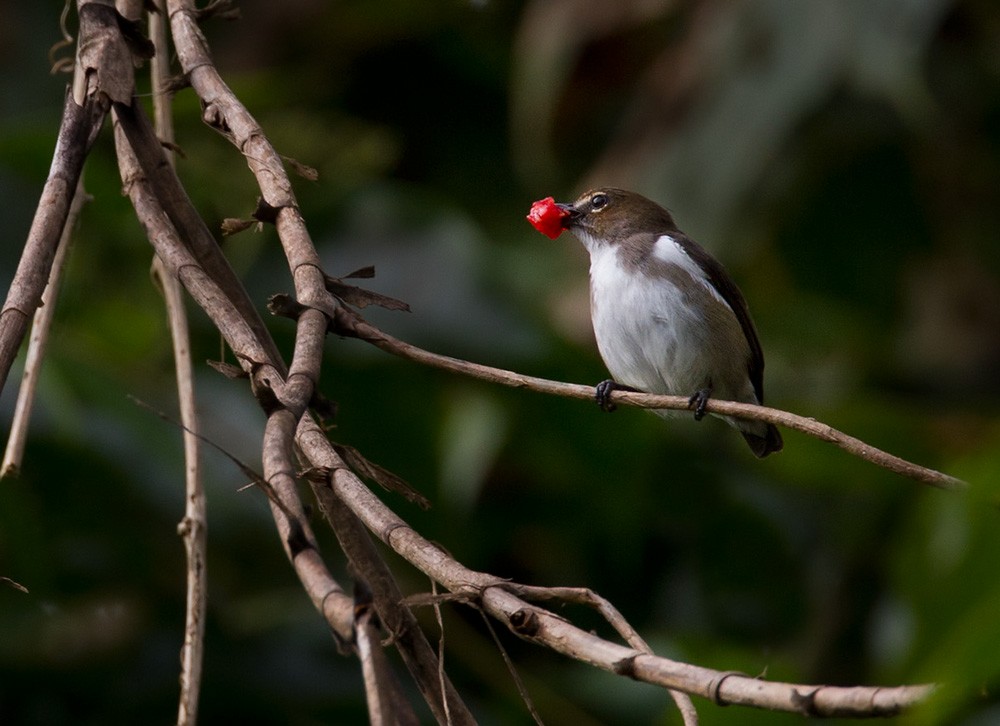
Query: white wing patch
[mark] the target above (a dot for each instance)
(666, 249)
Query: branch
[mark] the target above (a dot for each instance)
(164, 185)
(351, 324)
(194, 527)
(40, 326)
(80, 125)
(406, 634)
(386, 702)
(224, 112)
(544, 628)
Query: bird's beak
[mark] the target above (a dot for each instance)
(571, 214)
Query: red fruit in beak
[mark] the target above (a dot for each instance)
(547, 217)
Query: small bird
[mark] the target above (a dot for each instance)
(667, 316)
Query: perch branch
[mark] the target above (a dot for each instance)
(350, 323)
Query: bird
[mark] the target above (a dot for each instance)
(667, 316)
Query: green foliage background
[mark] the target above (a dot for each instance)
(842, 159)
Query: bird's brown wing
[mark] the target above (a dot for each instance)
(724, 285)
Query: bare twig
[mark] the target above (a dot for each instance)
(224, 112)
(583, 596)
(350, 323)
(386, 702)
(442, 676)
(515, 676)
(16, 585)
(194, 527)
(191, 228)
(80, 125)
(40, 326)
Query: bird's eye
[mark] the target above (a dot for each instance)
(598, 202)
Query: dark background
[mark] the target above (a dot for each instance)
(842, 160)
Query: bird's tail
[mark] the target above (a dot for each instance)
(763, 438)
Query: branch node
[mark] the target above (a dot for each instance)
(303, 170)
(263, 387)
(716, 685)
(325, 409)
(172, 85)
(524, 622)
(344, 323)
(230, 371)
(265, 211)
(626, 667)
(360, 297)
(805, 702)
(215, 117)
(297, 540)
(285, 306)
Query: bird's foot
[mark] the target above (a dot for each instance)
(602, 394)
(698, 401)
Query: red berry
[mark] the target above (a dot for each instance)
(547, 217)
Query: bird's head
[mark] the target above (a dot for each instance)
(606, 216)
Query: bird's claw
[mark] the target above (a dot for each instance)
(602, 394)
(698, 401)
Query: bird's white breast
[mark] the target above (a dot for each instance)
(648, 331)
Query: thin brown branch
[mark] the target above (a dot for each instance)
(40, 326)
(293, 525)
(194, 527)
(80, 125)
(350, 323)
(374, 668)
(586, 596)
(171, 249)
(224, 112)
(386, 701)
(512, 669)
(442, 676)
(16, 585)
